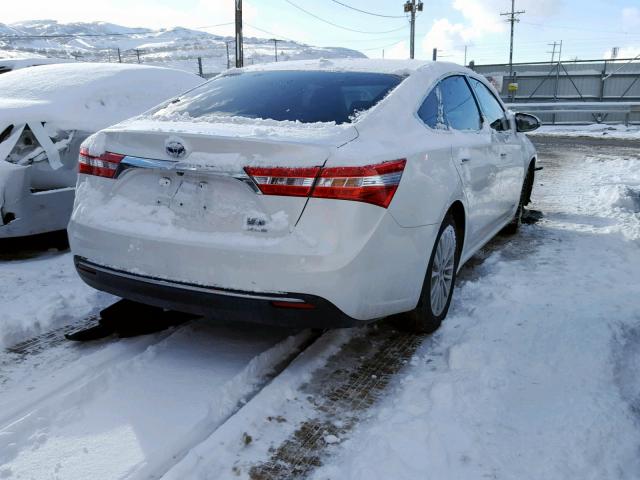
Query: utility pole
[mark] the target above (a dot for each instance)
(513, 19)
(228, 60)
(138, 54)
(239, 52)
(435, 54)
(465, 55)
(119, 56)
(412, 7)
(275, 47)
(200, 67)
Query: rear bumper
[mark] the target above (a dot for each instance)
(233, 305)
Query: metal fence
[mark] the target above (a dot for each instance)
(583, 81)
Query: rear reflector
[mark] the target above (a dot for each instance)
(375, 184)
(294, 305)
(104, 165)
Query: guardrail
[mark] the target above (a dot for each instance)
(595, 108)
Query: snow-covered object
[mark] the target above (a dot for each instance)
(86, 96)
(46, 112)
(7, 65)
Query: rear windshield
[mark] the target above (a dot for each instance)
(302, 96)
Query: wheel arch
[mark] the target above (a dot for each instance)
(458, 212)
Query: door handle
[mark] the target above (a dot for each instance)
(503, 155)
(465, 160)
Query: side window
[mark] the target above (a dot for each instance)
(491, 108)
(459, 106)
(431, 110)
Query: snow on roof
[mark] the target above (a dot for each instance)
(87, 96)
(398, 67)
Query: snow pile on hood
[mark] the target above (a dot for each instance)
(86, 96)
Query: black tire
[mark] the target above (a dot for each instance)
(423, 319)
(525, 198)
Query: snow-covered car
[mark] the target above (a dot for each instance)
(10, 64)
(46, 113)
(315, 193)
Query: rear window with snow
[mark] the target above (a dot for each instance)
(302, 96)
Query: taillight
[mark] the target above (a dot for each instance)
(104, 165)
(294, 182)
(375, 184)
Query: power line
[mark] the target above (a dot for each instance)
(340, 26)
(366, 12)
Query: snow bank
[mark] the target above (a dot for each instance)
(86, 96)
(40, 294)
(596, 130)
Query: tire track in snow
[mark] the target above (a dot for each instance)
(52, 367)
(193, 378)
(340, 393)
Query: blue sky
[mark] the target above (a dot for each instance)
(588, 28)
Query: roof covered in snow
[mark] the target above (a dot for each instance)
(398, 67)
(87, 96)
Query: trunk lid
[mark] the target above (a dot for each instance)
(206, 189)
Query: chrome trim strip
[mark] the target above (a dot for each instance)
(130, 162)
(185, 286)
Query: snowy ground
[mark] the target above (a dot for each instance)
(533, 375)
(596, 130)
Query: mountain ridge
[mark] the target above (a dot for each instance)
(177, 47)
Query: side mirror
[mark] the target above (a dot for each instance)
(526, 122)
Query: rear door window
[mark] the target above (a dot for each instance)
(459, 106)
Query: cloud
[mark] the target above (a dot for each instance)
(139, 13)
(398, 51)
(631, 18)
(480, 19)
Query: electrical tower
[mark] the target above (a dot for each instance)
(239, 52)
(513, 19)
(412, 7)
(553, 52)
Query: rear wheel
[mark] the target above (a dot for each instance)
(439, 282)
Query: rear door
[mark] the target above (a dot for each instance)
(506, 146)
(472, 155)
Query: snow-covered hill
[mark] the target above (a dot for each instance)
(177, 47)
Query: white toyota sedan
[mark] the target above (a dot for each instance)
(314, 193)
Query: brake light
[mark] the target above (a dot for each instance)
(375, 184)
(104, 165)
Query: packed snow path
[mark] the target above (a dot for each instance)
(534, 374)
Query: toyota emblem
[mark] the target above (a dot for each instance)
(175, 149)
